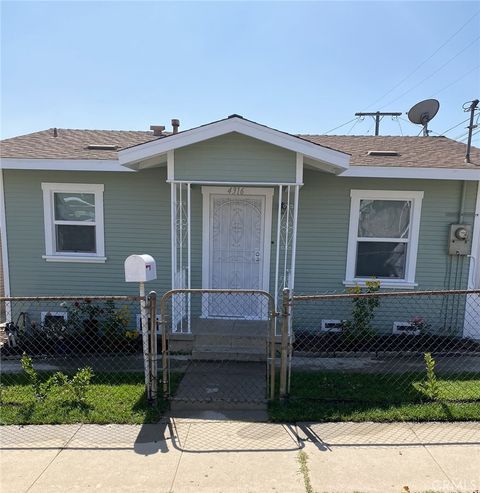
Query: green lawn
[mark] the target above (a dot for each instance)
(315, 396)
(330, 396)
(121, 402)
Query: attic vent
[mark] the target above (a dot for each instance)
(102, 147)
(383, 153)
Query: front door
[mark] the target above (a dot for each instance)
(237, 230)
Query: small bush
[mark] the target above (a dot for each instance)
(430, 386)
(75, 388)
(363, 311)
(40, 389)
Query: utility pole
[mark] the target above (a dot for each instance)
(377, 116)
(472, 109)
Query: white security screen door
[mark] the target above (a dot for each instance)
(239, 225)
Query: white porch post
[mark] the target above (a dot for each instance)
(181, 254)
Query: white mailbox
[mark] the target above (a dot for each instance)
(140, 268)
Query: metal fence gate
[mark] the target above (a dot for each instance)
(218, 346)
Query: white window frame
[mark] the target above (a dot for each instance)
(51, 255)
(415, 197)
(64, 315)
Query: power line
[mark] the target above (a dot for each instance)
(456, 80)
(424, 61)
(352, 127)
(340, 126)
(433, 73)
(457, 125)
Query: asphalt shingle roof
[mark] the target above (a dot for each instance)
(422, 152)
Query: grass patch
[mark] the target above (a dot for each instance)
(331, 396)
(122, 402)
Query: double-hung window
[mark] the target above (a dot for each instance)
(383, 237)
(73, 215)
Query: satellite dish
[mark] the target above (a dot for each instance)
(423, 112)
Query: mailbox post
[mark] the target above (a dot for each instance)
(141, 269)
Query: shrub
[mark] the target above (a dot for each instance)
(430, 385)
(363, 310)
(76, 387)
(40, 389)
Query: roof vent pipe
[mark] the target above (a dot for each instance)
(175, 125)
(157, 130)
(55, 132)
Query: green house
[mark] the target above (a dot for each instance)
(234, 204)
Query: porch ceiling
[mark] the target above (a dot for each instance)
(154, 153)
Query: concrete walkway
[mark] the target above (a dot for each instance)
(212, 454)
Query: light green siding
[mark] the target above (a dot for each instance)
(235, 157)
(323, 229)
(137, 220)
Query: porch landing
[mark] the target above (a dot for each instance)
(223, 340)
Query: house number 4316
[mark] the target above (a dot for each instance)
(235, 191)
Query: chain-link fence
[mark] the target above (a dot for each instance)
(219, 347)
(68, 333)
(383, 348)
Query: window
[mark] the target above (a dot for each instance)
(383, 237)
(52, 320)
(73, 222)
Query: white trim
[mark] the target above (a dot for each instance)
(235, 183)
(299, 168)
(474, 269)
(64, 315)
(64, 164)
(411, 172)
(337, 159)
(415, 197)
(294, 238)
(113, 165)
(411, 332)
(324, 328)
(51, 255)
(267, 233)
(78, 259)
(3, 233)
(384, 283)
(170, 166)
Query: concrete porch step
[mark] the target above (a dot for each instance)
(228, 353)
(229, 340)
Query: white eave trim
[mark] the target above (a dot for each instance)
(337, 159)
(63, 164)
(411, 172)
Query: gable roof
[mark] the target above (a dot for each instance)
(418, 152)
(320, 156)
(71, 144)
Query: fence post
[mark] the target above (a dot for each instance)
(152, 298)
(284, 343)
(273, 350)
(146, 359)
(163, 324)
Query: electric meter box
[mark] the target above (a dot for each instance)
(140, 268)
(460, 239)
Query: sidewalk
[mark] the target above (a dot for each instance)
(214, 455)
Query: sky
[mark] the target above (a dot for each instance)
(301, 67)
